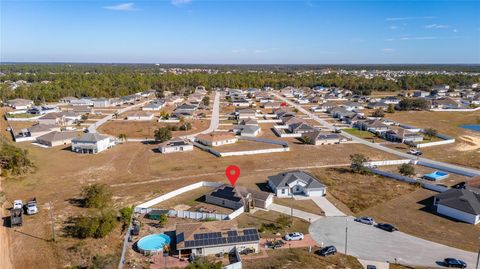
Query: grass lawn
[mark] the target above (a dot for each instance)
(21, 115)
(359, 192)
(413, 214)
(304, 205)
(301, 258)
(269, 217)
(360, 133)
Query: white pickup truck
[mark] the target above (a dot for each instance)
(31, 207)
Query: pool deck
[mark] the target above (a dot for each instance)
(172, 262)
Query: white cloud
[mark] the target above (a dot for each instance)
(417, 37)
(389, 39)
(122, 7)
(393, 27)
(455, 30)
(180, 2)
(388, 50)
(409, 18)
(436, 26)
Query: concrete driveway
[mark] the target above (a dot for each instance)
(370, 243)
(327, 207)
(296, 213)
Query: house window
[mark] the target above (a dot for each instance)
(283, 191)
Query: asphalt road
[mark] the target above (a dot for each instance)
(370, 243)
(440, 165)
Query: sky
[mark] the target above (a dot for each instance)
(241, 32)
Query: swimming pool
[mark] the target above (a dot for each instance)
(437, 175)
(473, 127)
(153, 243)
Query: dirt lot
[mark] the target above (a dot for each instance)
(359, 192)
(145, 129)
(243, 145)
(304, 205)
(412, 213)
(466, 149)
(301, 258)
(422, 170)
(136, 174)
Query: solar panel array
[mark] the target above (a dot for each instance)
(212, 239)
(207, 235)
(232, 233)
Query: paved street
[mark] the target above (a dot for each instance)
(296, 213)
(214, 119)
(370, 243)
(445, 166)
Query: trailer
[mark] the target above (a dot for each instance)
(16, 217)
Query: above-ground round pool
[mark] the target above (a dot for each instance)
(153, 243)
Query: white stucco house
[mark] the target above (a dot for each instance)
(296, 183)
(175, 145)
(91, 143)
(460, 204)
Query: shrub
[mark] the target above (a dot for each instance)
(97, 196)
(163, 134)
(96, 226)
(378, 113)
(162, 221)
(357, 164)
(406, 169)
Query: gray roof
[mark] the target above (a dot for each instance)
(41, 128)
(283, 179)
(465, 200)
(90, 138)
(57, 136)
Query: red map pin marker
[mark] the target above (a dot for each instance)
(232, 172)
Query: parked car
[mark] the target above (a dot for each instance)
(248, 251)
(365, 220)
(387, 227)
(326, 251)
(293, 236)
(16, 217)
(452, 262)
(415, 152)
(371, 267)
(17, 204)
(274, 244)
(31, 207)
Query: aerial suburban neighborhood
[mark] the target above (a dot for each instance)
(191, 134)
(323, 171)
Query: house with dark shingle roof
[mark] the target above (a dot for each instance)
(238, 196)
(462, 204)
(296, 183)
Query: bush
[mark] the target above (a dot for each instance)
(163, 134)
(378, 113)
(357, 164)
(204, 263)
(162, 221)
(407, 169)
(97, 196)
(126, 215)
(104, 262)
(185, 127)
(14, 160)
(430, 132)
(96, 226)
(284, 221)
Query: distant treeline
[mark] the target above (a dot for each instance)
(114, 81)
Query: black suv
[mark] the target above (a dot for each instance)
(326, 251)
(452, 262)
(387, 227)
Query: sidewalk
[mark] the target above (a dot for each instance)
(327, 207)
(296, 213)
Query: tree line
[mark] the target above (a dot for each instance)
(111, 81)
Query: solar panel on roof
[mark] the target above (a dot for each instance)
(232, 233)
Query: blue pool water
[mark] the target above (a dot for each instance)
(153, 242)
(437, 175)
(473, 127)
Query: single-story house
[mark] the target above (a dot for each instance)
(377, 105)
(186, 108)
(321, 138)
(181, 114)
(249, 121)
(296, 183)
(56, 118)
(240, 102)
(175, 145)
(154, 105)
(272, 105)
(82, 102)
(399, 134)
(140, 116)
(216, 139)
(68, 99)
(19, 103)
(245, 113)
(38, 130)
(210, 238)
(101, 102)
(462, 204)
(92, 143)
(300, 128)
(236, 197)
(56, 138)
(372, 125)
(247, 130)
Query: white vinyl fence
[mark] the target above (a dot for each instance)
(143, 208)
(388, 162)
